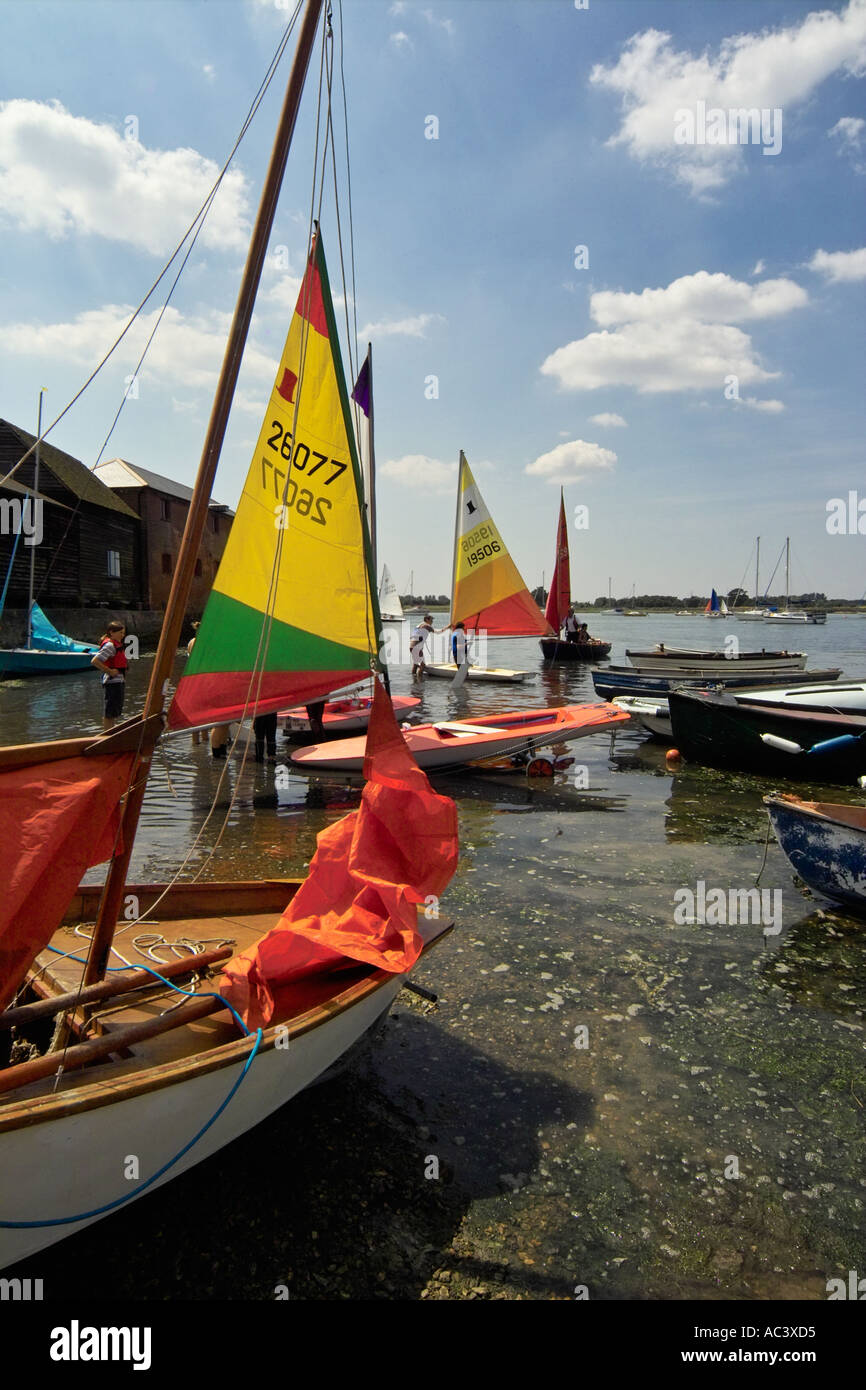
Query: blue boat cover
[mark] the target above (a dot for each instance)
(46, 638)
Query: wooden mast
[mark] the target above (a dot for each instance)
(198, 508)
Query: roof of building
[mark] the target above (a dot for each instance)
(118, 473)
(74, 475)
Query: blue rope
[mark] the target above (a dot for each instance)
(136, 1191)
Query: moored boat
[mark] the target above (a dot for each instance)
(682, 661)
(612, 681)
(558, 611)
(724, 731)
(451, 744)
(825, 843)
(495, 675)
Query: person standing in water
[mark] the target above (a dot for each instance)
(111, 661)
(460, 645)
(417, 643)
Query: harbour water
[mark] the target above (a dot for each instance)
(607, 1100)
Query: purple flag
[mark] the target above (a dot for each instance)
(361, 393)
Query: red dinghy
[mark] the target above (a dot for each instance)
(441, 747)
(341, 717)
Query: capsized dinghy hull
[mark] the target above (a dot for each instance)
(440, 747)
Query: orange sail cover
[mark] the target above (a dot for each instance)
(370, 871)
(488, 591)
(56, 820)
(559, 598)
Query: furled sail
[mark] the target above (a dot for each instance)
(292, 614)
(46, 638)
(488, 590)
(559, 598)
(359, 902)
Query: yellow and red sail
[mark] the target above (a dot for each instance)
(292, 614)
(559, 598)
(488, 591)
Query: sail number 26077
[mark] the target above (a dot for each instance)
(287, 491)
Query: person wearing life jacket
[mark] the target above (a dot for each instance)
(111, 661)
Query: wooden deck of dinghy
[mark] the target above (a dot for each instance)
(237, 914)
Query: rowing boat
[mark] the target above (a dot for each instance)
(825, 843)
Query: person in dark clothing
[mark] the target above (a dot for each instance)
(315, 714)
(265, 730)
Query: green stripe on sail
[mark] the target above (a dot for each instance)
(231, 641)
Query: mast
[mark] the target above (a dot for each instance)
(757, 567)
(371, 455)
(198, 507)
(456, 531)
(29, 641)
(787, 572)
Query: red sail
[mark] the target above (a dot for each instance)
(559, 598)
(57, 818)
(368, 875)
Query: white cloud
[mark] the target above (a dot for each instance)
(681, 337)
(712, 298)
(608, 421)
(401, 41)
(759, 268)
(849, 129)
(436, 23)
(840, 265)
(422, 473)
(776, 68)
(209, 71)
(400, 328)
(62, 174)
(567, 463)
(187, 350)
(770, 407)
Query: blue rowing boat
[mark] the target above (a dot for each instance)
(825, 843)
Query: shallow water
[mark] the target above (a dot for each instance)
(605, 1158)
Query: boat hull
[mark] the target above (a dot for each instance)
(343, 717)
(716, 665)
(492, 674)
(725, 732)
(825, 844)
(621, 680)
(442, 747)
(23, 662)
(556, 650)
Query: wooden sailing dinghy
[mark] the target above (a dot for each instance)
(488, 593)
(131, 1074)
(559, 606)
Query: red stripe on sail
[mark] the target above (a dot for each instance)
(219, 697)
(517, 616)
(310, 304)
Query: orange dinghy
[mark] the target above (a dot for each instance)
(441, 747)
(344, 716)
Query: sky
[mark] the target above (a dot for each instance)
(574, 259)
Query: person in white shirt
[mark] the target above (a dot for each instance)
(417, 643)
(572, 626)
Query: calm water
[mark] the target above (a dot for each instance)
(595, 1073)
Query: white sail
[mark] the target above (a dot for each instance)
(390, 606)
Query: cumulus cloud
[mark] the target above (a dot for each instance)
(414, 327)
(608, 421)
(682, 337)
(187, 350)
(421, 472)
(567, 463)
(62, 174)
(840, 265)
(775, 69)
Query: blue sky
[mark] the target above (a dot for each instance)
(555, 130)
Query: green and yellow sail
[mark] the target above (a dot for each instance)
(292, 614)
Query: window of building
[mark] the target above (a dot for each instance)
(165, 509)
(113, 564)
(166, 564)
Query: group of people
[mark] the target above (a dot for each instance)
(573, 630)
(460, 644)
